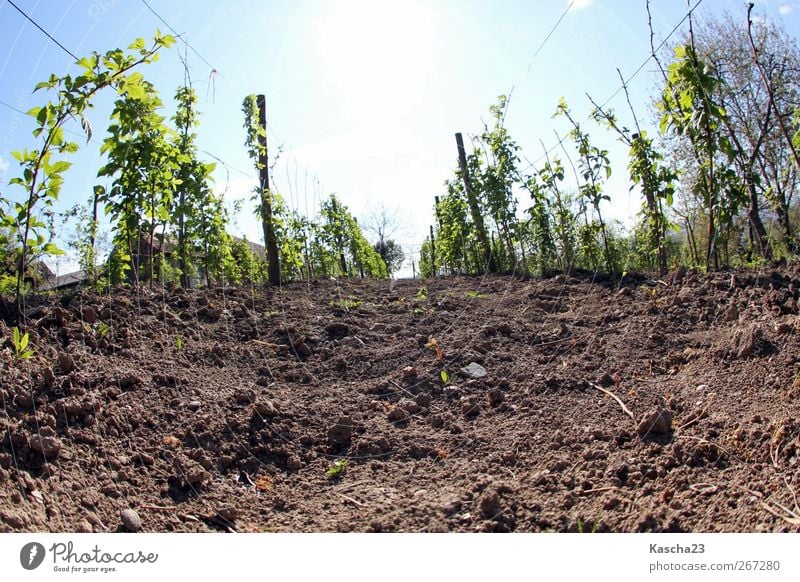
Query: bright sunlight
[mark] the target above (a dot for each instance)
(377, 55)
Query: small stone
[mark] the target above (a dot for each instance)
(423, 399)
(89, 315)
(194, 405)
(227, 513)
(703, 388)
(496, 396)
(410, 406)
(469, 407)
(474, 370)
(65, 362)
(731, 314)
(210, 314)
(190, 472)
(409, 373)
(341, 433)
(245, 396)
(656, 422)
(47, 446)
(130, 520)
(301, 348)
(293, 463)
(266, 408)
(489, 504)
(397, 414)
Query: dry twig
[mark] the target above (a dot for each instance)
(615, 397)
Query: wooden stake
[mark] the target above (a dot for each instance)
(273, 264)
(474, 208)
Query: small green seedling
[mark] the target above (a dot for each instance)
(444, 376)
(582, 528)
(336, 470)
(347, 303)
(422, 293)
(101, 330)
(475, 295)
(21, 349)
(179, 343)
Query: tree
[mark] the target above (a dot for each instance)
(595, 168)
(391, 253)
(691, 108)
(195, 199)
(143, 161)
(758, 94)
(42, 174)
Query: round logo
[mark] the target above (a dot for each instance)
(31, 555)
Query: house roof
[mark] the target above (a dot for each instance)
(61, 281)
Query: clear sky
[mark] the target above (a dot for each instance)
(363, 96)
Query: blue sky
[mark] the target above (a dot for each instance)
(363, 96)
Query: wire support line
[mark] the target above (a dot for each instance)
(625, 82)
(47, 34)
(186, 42)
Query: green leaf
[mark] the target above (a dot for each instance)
(136, 45)
(42, 115)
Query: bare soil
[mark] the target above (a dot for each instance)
(645, 406)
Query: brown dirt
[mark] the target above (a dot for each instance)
(217, 410)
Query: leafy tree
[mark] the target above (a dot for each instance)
(194, 199)
(648, 171)
(41, 172)
(391, 253)
(494, 177)
(143, 161)
(594, 168)
(690, 108)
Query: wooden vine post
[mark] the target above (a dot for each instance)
(273, 264)
(474, 209)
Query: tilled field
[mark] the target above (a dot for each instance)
(458, 404)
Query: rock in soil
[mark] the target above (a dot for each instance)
(48, 446)
(130, 520)
(341, 433)
(655, 422)
(397, 414)
(474, 370)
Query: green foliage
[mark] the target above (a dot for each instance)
(340, 246)
(41, 173)
(689, 108)
(337, 469)
(444, 376)
(474, 295)
(21, 349)
(196, 215)
(143, 161)
(594, 168)
(101, 330)
(391, 253)
(244, 267)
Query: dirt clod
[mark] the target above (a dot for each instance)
(341, 433)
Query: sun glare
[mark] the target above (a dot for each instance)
(377, 55)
